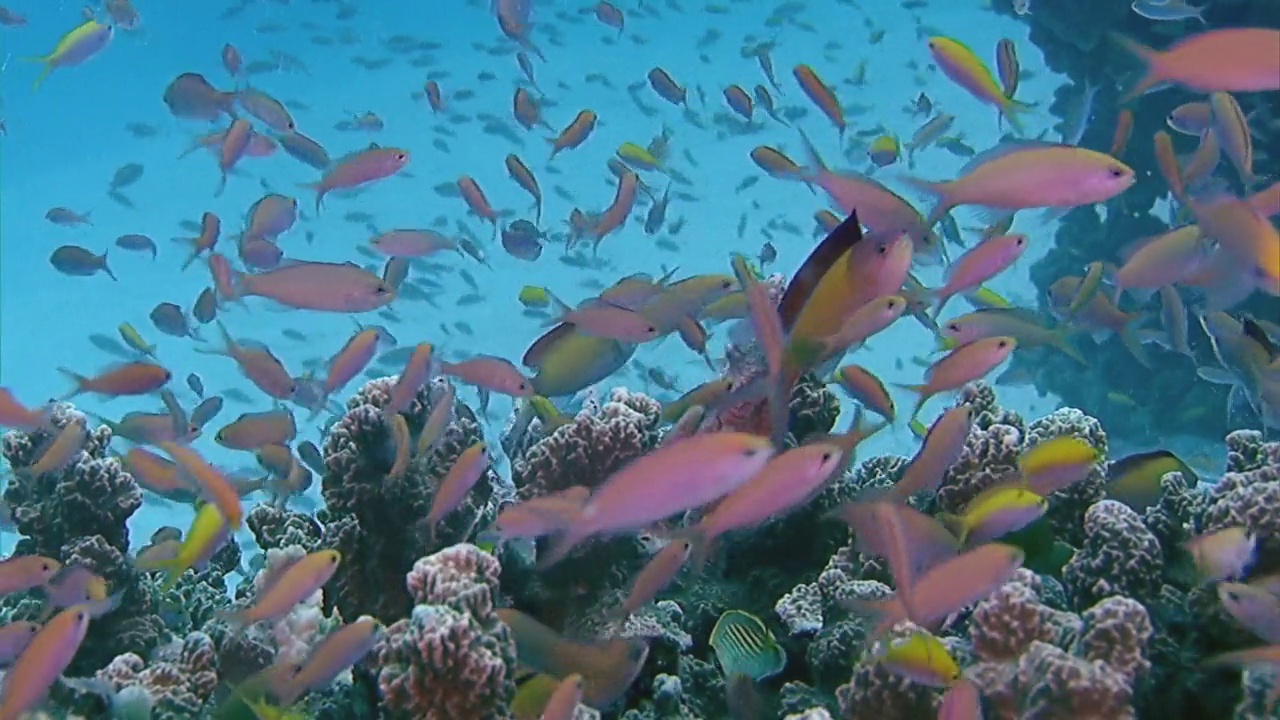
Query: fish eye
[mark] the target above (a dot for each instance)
(1020, 241)
(1233, 596)
(1002, 344)
(652, 329)
(726, 284)
(953, 327)
(81, 616)
(1117, 172)
(401, 156)
(46, 567)
(826, 457)
(333, 559)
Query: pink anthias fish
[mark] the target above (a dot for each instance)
(964, 365)
(1228, 59)
(330, 287)
(1030, 174)
(979, 264)
(681, 476)
(361, 167)
(885, 213)
(50, 652)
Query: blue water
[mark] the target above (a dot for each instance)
(65, 140)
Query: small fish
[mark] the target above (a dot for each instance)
(995, 512)
(656, 575)
(963, 67)
(921, 658)
(25, 572)
(1224, 554)
(744, 645)
(1254, 608)
(964, 365)
(79, 262)
(295, 583)
(1135, 479)
(77, 46)
(1056, 464)
(48, 655)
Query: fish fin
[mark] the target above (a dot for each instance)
(815, 166)
(920, 390)
(955, 525)
(937, 190)
(1133, 343)
(75, 377)
(561, 548)
(1148, 56)
(1064, 345)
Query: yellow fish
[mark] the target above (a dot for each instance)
(134, 340)
(548, 413)
(532, 296)
(638, 157)
(921, 658)
(884, 151)
(207, 532)
(74, 48)
(995, 512)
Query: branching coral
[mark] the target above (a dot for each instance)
(1036, 662)
(1120, 556)
(180, 679)
(452, 658)
(591, 448)
(376, 520)
(90, 495)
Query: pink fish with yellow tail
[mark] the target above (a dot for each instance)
(50, 652)
(1223, 60)
(365, 166)
(963, 67)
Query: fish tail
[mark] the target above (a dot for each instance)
(1063, 344)
(954, 524)
(78, 379)
(937, 190)
(235, 620)
(44, 74)
(1149, 56)
(1012, 110)
(1129, 336)
(779, 402)
(815, 166)
(561, 548)
(922, 391)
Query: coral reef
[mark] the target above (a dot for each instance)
(452, 657)
(376, 520)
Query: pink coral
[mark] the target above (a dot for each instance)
(452, 658)
(179, 680)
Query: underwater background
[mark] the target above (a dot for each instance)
(600, 253)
